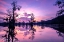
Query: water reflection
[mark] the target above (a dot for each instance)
(30, 30)
(32, 33)
(10, 35)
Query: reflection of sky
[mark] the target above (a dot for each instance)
(42, 9)
(41, 35)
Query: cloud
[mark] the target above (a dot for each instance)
(2, 8)
(3, 2)
(3, 13)
(3, 5)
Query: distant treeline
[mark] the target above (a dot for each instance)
(57, 20)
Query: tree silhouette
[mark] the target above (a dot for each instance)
(32, 17)
(60, 4)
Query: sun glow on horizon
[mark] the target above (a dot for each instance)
(22, 13)
(35, 11)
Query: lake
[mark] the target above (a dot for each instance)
(26, 33)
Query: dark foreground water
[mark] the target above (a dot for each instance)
(33, 34)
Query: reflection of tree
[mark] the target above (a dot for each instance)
(10, 35)
(60, 34)
(32, 31)
(26, 26)
(42, 27)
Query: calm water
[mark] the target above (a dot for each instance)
(33, 34)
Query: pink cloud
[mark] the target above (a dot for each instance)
(3, 2)
(2, 8)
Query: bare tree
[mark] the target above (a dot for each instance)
(60, 4)
(32, 17)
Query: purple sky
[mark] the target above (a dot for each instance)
(42, 9)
